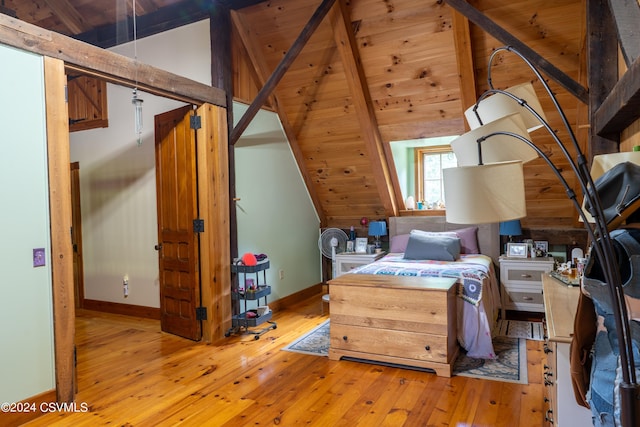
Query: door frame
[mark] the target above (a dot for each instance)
(213, 181)
(76, 232)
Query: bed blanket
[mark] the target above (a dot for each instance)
(470, 270)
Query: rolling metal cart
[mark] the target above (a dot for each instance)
(247, 286)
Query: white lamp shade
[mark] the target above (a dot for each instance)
(484, 194)
(499, 105)
(498, 148)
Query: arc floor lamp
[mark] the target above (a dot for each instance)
(490, 159)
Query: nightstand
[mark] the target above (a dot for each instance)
(521, 283)
(347, 261)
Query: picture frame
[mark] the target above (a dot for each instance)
(350, 246)
(361, 245)
(517, 250)
(543, 245)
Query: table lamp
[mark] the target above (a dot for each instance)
(511, 228)
(377, 229)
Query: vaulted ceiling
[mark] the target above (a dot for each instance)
(369, 72)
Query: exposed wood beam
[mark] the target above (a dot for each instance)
(60, 214)
(464, 59)
(384, 172)
(220, 33)
(620, 108)
(626, 15)
(164, 19)
(603, 70)
(86, 59)
(68, 15)
(281, 69)
(262, 71)
(478, 18)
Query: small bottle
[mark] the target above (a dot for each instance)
(352, 233)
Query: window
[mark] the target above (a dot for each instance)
(409, 162)
(429, 183)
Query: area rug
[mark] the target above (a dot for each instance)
(315, 342)
(522, 329)
(509, 366)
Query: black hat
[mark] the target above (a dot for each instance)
(619, 193)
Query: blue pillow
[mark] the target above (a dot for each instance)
(432, 246)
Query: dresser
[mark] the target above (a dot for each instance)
(521, 283)
(347, 261)
(401, 320)
(560, 303)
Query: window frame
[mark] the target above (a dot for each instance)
(418, 153)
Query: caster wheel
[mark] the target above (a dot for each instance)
(226, 334)
(275, 326)
(257, 337)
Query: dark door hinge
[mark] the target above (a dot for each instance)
(196, 122)
(201, 313)
(198, 225)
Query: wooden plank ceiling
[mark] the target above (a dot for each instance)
(372, 72)
(397, 76)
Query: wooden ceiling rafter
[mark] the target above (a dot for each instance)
(464, 59)
(148, 24)
(68, 15)
(262, 71)
(384, 172)
(490, 27)
(277, 74)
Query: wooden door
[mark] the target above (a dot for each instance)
(76, 236)
(178, 250)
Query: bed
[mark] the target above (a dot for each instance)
(477, 300)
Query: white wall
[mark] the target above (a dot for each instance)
(275, 213)
(26, 334)
(118, 194)
(117, 176)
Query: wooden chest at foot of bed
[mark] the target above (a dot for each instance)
(399, 320)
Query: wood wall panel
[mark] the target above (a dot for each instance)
(87, 103)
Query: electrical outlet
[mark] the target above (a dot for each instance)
(39, 258)
(125, 286)
(281, 274)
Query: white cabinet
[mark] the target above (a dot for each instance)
(521, 283)
(347, 261)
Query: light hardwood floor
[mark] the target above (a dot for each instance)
(131, 374)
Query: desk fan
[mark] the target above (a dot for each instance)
(331, 242)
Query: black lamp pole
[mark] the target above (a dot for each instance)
(599, 234)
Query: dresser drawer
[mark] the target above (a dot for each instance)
(523, 300)
(524, 275)
(347, 266)
(521, 281)
(393, 343)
